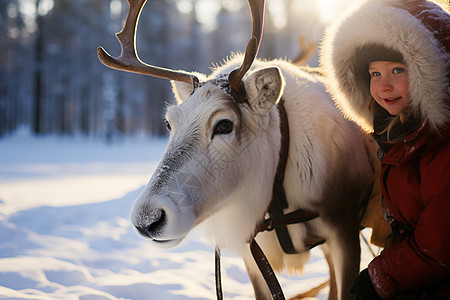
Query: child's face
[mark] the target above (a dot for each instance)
(389, 85)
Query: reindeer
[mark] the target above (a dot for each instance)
(218, 169)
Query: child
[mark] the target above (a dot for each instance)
(389, 70)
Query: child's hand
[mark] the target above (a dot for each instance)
(363, 288)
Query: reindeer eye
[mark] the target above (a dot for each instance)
(168, 125)
(223, 127)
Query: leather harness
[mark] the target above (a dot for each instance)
(277, 220)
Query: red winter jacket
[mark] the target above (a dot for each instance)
(415, 173)
(415, 182)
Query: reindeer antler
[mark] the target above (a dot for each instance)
(129, 60)
(257, 12)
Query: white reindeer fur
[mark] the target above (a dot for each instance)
(236, 199)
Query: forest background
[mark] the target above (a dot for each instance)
(51, 81)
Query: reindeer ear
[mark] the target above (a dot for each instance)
(183, 90)
(264, 87)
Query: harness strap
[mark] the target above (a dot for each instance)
(277, 220)
(278, 190)
(295, 217)
(266, 271)
(298, 216)
(218, 275)
(264, 267)
(279, 202)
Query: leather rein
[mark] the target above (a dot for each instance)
(277, 220)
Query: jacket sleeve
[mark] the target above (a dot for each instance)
(423, 259)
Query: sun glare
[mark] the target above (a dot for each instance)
(233, 5)
(206, 11)
(278, 11)
(329, 10)
(115, 7)
(184, 6)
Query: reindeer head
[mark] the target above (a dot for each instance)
(220, 133)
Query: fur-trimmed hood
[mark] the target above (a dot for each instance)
(419, 30)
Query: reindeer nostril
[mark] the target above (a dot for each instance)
(155, 227)
(158, 223)
(142, 231)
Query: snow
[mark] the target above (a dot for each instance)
(65, 233)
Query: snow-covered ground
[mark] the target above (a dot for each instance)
(65, 234)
